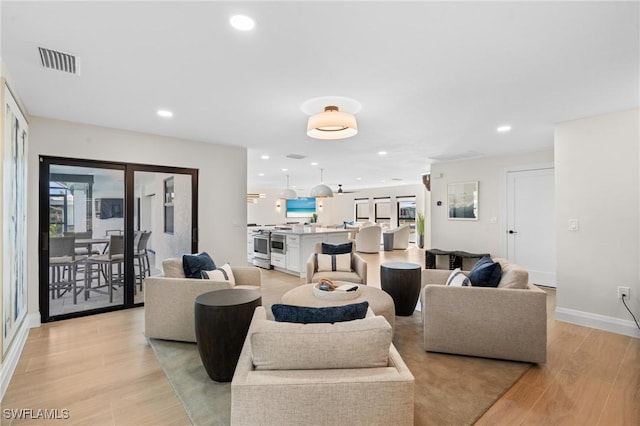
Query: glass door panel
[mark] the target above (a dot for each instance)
(86, 263)
(407, 215)
(163, 222)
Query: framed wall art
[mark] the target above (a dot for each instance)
(462, 200)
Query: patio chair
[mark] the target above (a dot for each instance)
(63, 265)
(105, 263)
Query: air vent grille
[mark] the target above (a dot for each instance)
(59, 61)
(458, 156)
(296, 156)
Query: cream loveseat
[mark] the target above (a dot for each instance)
(347, 373)
(508, 322)
(169, 299)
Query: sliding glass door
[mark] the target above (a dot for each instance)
(104, 227)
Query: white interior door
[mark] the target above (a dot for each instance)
(531, 237)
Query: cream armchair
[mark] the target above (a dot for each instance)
(344, 373)
(358, 273)
(368, 239)
(169, 300)
(508, 322)
(400, 237)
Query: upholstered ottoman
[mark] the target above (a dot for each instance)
(379, 301)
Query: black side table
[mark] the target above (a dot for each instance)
(222, 321)
(402, 281)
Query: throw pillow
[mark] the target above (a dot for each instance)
(220, 274)
(333, 262)
(194, 264)
(329, 314)
(337, 248)
(458, 279)
(485, 273)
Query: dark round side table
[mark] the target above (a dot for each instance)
(402, 281)
(222, 321)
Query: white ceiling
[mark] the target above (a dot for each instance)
(434, 79)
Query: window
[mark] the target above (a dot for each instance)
(362, 209)
(383, 210)
(169, 196)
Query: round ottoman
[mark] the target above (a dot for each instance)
(379, 301)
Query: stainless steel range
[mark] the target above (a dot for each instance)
(262, 248)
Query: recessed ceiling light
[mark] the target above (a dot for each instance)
(260, 174)
(165, 113)
(242, 22)
(314, 163)
(382, 152)
(285, 170)
(358, 178)
(503, 129)
(265, 157)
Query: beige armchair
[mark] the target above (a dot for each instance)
(358, 273)
(344, 373)
(400, 237)
(508, 322)
(368, 239)
(169, 299)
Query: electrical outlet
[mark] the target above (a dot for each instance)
(624, 292)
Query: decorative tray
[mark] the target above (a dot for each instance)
(337, 290)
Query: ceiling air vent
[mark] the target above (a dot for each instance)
(296, 156)
(458, 156)
(59, 61)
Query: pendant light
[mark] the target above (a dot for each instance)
(322, 190)
(288, 194)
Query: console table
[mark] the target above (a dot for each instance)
(455, 257)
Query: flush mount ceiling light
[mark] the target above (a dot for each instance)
(164, 113)
(321, 190)
(504, 129)
(332, 124)
(288, 194)
(242, 22)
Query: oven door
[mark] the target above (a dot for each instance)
(277, 245)
(261, 247)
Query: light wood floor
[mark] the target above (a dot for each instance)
(102, 370)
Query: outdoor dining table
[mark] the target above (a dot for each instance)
(89, 242)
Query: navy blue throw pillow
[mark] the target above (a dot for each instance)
(194, 264)
(485, 273)
(337, 248)
(329, 314)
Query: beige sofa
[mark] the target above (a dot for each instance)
(508, 322)
(169, 299)
(345, 373)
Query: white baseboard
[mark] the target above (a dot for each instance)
(33, 320)
(601, 322)
(10, 361)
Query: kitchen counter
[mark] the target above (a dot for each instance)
(315, 232)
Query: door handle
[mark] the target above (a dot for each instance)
(511, 231)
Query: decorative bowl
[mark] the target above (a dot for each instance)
(337, 294)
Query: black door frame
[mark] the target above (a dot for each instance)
(129, 170)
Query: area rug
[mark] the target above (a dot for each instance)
(449, 389)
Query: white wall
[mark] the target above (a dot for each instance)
(597, 182)
(481, 236)
(331, 211)
(222, 180)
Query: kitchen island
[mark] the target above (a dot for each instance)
(299, 246)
